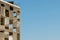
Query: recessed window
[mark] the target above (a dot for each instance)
(2, 21)
(14, 29)
(6, 39)
(15, 14)
(10, 21)
(18, 11)
(2, 5)
(1, 30)
(11, 8)
(18, 19)
(10, 25)
(10, 33)
(18, 36)
(7, 13)
(6, 27)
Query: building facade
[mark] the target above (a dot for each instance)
(9, 21)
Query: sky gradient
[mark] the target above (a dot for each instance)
(40, 19)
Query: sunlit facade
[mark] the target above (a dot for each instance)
(9, 21)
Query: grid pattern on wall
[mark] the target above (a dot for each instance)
(9, 22)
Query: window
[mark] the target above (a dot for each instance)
(6, 38)
(10, 25)
(11, 21)
(18, 19)
(18, 11)
(6, 27)
(1, 30)
(18, 36)
(10, 33)
(14, 29)
(2, 5)
(6, 13)
(11, 8)
(15, 14)
(2, 21)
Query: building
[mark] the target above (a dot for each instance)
(9, 21)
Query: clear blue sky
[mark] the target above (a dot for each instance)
(40, 19)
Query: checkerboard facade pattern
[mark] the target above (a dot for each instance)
(9, 21)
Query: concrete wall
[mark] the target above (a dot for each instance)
(11, 18)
